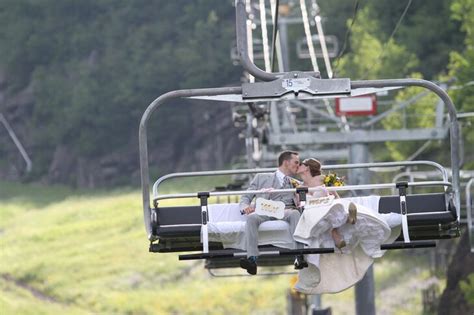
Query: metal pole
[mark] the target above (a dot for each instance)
(283, 30)
(364, 289)
(469, 216)
(17, 142)
(249, 141)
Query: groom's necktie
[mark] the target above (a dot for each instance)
(286, 182)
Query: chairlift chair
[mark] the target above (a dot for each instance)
(426, 217)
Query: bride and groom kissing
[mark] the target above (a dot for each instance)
(289, 165)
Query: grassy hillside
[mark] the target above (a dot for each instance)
(69, 252)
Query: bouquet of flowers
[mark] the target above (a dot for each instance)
(295, 183)
(332, 179)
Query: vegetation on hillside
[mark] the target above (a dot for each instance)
(75, 77)
(86, 252)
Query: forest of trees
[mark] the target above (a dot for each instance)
(75, 76)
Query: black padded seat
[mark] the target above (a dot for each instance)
(179, 222)
(435, 202)
(179, 228)
(179, 215)
(422, 209)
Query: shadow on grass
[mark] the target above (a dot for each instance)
(39, 196)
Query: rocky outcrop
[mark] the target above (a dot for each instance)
(213, 144)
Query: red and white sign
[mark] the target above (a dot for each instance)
(364, 105)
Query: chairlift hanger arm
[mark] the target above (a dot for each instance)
(142, 138)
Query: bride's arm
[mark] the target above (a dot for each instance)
(336, 195)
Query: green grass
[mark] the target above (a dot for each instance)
(86, 252)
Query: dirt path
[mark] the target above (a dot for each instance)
(36, 293)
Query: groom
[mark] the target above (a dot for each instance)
(288, 163)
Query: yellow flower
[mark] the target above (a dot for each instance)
(294, 183)
(333, 180)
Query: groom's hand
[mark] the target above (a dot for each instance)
(248, 210)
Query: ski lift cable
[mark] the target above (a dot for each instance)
(263, 26)
(395, 29)
(348, 32)
(307, 31)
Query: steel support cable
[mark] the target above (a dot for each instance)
(312, 54)
(346, 37)
(395, 29)
(395, 107)
(249, 24)
(322, 40)
(307, 31)
(344, 125)
(274, 7)
(263, 26)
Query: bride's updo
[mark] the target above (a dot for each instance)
(314, 166)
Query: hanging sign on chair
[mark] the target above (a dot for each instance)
(275, 209)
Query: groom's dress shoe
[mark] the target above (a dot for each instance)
(300, 263)
(249, 265)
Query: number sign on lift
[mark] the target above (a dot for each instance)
(296, 84)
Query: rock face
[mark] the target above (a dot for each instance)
(452, 301)
(213, 144)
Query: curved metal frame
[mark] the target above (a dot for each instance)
(265, 76)
(143, 146)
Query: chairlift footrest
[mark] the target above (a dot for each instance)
(232, 253)
(407, 245)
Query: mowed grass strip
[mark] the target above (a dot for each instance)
(85, 252)
(89, 253)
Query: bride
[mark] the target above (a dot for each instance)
(348, 224)
(310, 173)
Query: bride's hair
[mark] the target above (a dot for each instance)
(314, 166)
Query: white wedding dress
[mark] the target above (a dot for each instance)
(331, 273)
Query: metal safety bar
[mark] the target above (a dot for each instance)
(439, 167)
(294, 190)
(232, 253)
